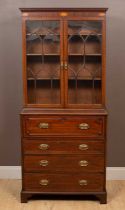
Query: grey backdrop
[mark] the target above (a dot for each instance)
(11, 75)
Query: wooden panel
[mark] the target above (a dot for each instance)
(61, 112)
(44, 94)
(65, 13)
(84, 94)
(64, 125)
(57, 146)
(63, 183)
(64, 163)
(50, 65)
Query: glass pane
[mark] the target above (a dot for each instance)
(43, 61)
(84, 62)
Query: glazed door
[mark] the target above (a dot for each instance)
(83, 63)
(44, 55)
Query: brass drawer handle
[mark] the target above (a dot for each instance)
(43, 125)
(43, 146)
(43, 163)
(84, 126)
(83, 163)
(83, 182)
(83, 147)
(44, 182)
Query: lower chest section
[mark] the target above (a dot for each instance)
(63, 153)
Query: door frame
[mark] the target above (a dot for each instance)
(24, 59)
(103, 61)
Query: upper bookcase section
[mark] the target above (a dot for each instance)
(64, 53)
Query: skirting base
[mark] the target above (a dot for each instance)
(101, 196)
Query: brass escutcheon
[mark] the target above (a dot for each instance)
(61, 65)
(65, 65)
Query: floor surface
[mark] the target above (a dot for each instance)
(10, 199)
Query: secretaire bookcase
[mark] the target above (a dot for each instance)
(63, 121)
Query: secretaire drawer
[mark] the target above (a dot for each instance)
(85, 126)
(57, 146)
(64, 163)
(63, 182)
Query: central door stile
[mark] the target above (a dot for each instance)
(62, 62)
(65, 62)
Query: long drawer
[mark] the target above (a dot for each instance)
(57, 146)
(64, 163)
(63, 182)
(89, 126)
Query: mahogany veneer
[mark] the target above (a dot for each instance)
(63, 121)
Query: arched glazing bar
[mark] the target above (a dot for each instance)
(84, 33)
(45, 33)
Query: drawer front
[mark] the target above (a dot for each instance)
(64, 163)
(62, 147)
(63, 182)
(84, 126)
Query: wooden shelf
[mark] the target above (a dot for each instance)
(79, 79)
(86, 78)
(38, 54)
(85, 34)
(43, 79)
(30, 34)
(73, 54)
(93, 54)
(33, 34)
